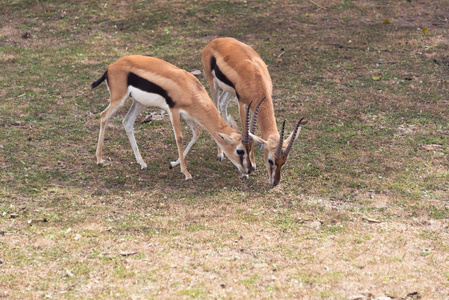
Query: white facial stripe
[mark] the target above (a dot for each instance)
(148, 99)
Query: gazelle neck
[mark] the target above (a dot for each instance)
(210, 119)
(266, 121)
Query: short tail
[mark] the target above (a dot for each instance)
(99, 81)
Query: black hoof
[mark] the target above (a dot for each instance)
(190, 179)
(170, 166)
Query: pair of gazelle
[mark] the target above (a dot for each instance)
(230, 66)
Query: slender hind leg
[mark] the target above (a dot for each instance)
(105, 116)
(195, 135)
(128, 122)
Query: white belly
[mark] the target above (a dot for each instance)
(148, 99)
(223, 85)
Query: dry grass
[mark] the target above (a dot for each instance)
(363, 206)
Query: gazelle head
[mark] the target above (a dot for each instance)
(239, 146)
(276, 153)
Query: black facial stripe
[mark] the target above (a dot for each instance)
(149, 87)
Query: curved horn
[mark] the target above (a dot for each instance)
(252, 128)
(245, 136)
(287, 150)
(281, 142)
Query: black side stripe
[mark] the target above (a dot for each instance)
(222, 77)
(149, 87)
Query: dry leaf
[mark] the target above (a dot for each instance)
(356, 297)
(128, 253)
(430, 147)
(371, 220)
(68, 273)
(146, 119)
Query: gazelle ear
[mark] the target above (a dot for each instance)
(257, 139)
(232, 122)
(227, 138)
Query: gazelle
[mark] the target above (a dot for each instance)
(237, 70)
(154, 82)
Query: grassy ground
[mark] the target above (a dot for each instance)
(363, 206)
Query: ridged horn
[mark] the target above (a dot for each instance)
(287, 150)
(254, 119)
(245, 137)
(281, 142)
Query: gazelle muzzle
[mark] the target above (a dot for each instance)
(282, 155)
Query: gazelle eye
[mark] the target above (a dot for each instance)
(240, 152)
(270, 162)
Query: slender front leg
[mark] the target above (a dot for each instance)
(176, 122)
(215, 90)
(128, 122)
(105, 116)
(195, 135)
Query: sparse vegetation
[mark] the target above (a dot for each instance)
(363, 205)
